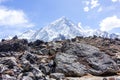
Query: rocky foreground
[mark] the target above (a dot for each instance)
(91, 58)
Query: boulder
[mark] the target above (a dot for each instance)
(78, 59)
(9, 61)
(45, 51)
(44, 68)
(68, 64)
(31, 58)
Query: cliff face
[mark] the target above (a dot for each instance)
(80, 58)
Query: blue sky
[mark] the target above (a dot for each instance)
(17, 16)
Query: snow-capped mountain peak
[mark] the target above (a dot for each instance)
(27, 35)
(63, 28)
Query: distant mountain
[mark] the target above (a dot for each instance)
(27, 35)
(61, 29)
(100, 33)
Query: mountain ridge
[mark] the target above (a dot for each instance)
(65, 28)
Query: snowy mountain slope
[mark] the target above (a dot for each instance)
(61, 29)
(27, 35)
(62, 26)
(100, 33)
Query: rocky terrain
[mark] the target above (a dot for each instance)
(89, 58)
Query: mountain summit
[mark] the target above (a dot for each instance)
(61, 29)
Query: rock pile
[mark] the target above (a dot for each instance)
(59, 60)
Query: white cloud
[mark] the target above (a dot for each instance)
(91, 4)
(86, 9)
(13, 18)
(115, 0)
(94, 3)
(12, 21)
(110, 23)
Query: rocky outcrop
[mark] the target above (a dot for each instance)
(79, 59)
(59, 60)
(13, 45)
(69, 65)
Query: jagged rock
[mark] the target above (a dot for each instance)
(45, 69)
(69, 65)
(3, 68)
(13, 45)
(5, 54)
(96, 62)
(20, 60)
(9, 61)
(38, 42)
(34, 75)
(37, 52)
(57, 76)
(26, 66)
(48, 68)
(37, 73)
(52, 52)
(15, 37)
(45, 51)
(19, 77)
(31, 58)
(8, 77)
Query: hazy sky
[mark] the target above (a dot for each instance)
(17, 16)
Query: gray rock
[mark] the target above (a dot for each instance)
(52, 52)
(38, 52)
(9, 61)
(5, 54)
(7, 77)
(37, 73)
(45, 51)
(44, 68)
(29, 57)
(57, 76)
(82, 58)
(48, 68)
(19, 77)
(68, 64)
(26, 67)
(13, 45)
(3, 68)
